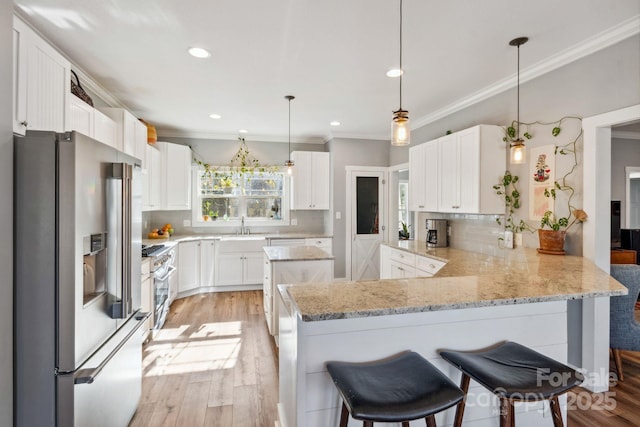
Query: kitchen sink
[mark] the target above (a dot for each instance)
(242, 237)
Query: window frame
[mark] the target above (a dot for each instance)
(197, 197)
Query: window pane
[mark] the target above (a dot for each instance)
(367, 204)
(263, 207)
(221, 206)
(264, 184)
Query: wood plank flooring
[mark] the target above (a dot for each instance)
(213, 364)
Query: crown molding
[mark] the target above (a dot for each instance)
(621, 134)
(609, 37)
(370, 136)
(173, 133)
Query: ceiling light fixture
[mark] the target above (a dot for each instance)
(215, 116)
(199, 52)
(400, 133)
(289, 163)
(395, 72)
(335, 123)
(518, 149)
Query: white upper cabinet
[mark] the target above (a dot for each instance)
(177, 176)
(310, 183)
(131, 137)
(151, 177)
(471, 162)
(424, 178)
(456, 173)
(41, 82)
(80, 116)
(104, 129)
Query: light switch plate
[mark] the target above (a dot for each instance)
(338, 215)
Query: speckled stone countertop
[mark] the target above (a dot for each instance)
(296, 253)
(273, 236)
(468, 280)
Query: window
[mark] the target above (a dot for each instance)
(223, 197)
(403, 203)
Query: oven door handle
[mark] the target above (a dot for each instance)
(170, 271)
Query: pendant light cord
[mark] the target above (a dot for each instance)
(289, 129)
(518, 96)
(401, 70)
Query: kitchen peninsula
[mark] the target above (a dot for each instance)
(474, 301)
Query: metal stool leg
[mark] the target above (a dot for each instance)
(367, 423)
(464, 385)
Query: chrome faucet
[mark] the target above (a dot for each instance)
(243, 230)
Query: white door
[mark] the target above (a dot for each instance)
(367, 203)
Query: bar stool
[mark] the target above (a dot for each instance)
(400, 388)
(514, 373)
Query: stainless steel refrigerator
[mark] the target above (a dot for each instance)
(77, 335)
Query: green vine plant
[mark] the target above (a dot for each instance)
(561, 184)
(243, 162)
(507, 189)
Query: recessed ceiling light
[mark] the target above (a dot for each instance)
(395, 72)
(243, 131)
(215, 116)
(335, 123)
(199, 52)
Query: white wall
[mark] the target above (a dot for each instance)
(6, 215)
(624, 152)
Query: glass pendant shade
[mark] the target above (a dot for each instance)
(400, 132)
(518, 152)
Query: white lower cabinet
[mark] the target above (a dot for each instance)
(239, 262)
(207, 263)
(324, 243)
(189, 271)
(399, 264)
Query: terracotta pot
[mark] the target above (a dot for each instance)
(551, 240)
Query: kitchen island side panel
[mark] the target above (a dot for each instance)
(309, 392)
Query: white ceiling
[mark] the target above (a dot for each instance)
(331, 54)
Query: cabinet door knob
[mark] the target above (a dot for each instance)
(24, 123)
(432, 266)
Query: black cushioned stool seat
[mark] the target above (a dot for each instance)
(401, 388)
(514, 372)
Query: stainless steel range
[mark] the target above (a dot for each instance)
(163, 260)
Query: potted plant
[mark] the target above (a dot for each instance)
(508, 190)
(404, 233)
(552, 239)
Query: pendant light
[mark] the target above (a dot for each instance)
(518, 149)
(289, 163)
(400, 132)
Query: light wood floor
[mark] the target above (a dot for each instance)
(213, 364)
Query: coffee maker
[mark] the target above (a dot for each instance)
(437, 236)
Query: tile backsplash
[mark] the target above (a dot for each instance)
(477, 233)
(308, 222)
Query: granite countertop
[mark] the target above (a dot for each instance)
(468, 280)
(296, 253)
(190, 237)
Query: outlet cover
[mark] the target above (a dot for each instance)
(186, 223)
(294, 221)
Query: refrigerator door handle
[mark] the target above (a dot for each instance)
(88, 375)
(124, 172)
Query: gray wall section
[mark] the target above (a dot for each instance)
(624, 152)
(6, 214)
(220, 152)
(604, 81)
(350, 152)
